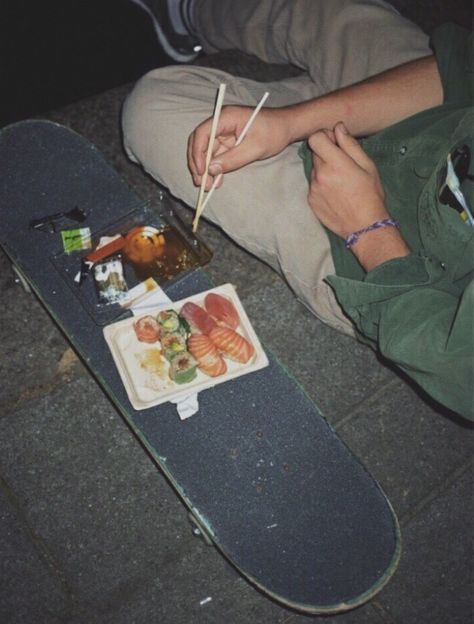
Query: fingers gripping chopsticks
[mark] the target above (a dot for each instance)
(202, 201)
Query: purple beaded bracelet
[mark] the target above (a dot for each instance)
(354, 237)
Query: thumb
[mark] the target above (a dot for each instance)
(350, 146)
(230, 160)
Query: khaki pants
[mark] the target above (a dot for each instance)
(263, 207)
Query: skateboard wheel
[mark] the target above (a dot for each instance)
(20, 279)
(198, 530)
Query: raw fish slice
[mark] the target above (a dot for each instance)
(232, 344)
(147, 329)
(222, 310)
(204, 350)
(197, 317)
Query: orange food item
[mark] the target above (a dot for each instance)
(205, 352)
(232, 344)
(222, 309)
(144, 244)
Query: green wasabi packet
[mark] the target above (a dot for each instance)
(76, 240)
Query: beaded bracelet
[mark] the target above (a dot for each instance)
(354, 237)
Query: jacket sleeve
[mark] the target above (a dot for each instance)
(407, 310)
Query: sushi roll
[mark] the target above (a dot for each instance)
(184, 327)
(147, 329)
(173, 343)
(232, 344)
(168, 321)
(204, 350)
(183, 368)
(222, 310)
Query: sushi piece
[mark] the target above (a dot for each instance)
(204, 350)
(222, 310)
(147, 329)
(168, 320)
(173, 343)
(232, 344)
(197, 317)
(183, 368)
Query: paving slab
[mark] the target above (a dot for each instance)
(364, 615)
(408, 447)
(434, 581)
(32, 349)
(29, 582)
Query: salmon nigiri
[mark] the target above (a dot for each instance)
(231, 344)
(222, 310)
(197, 317)
(205, 352)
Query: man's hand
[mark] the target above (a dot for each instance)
(346, 195)
(267, 137)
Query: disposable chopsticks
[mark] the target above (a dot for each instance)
(215, 121)
(240, 138)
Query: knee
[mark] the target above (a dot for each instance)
(141, 112)
(157, 118)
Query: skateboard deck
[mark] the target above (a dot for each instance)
(264, 476)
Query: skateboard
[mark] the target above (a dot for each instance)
(262, 474)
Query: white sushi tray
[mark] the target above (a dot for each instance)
(144, 370)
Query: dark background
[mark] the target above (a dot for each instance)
(54, 52)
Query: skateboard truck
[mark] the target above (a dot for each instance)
(199, 529)
(49, 223)
(21, 279)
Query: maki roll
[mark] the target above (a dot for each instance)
(168, 321)
(183, 368)
(147, 329)
(173, 343)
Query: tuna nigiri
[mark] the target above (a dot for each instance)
(205, 352)
(222, 310)
(232, 344)
(197, 317)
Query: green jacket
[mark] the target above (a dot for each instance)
(417, 311)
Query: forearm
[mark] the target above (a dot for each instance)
(371, 105)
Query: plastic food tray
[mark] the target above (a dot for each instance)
(146, 389)
(159, 214)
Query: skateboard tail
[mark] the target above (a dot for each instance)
(211, 537)
(341, 607)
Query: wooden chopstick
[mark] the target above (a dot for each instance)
(240, 138)
(215, 121)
